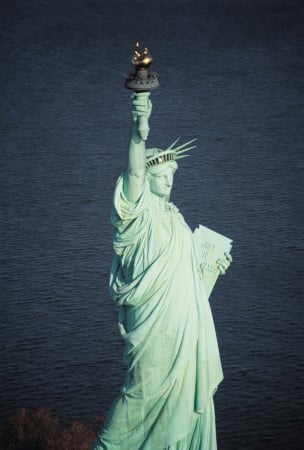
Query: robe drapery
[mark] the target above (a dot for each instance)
(171, 351)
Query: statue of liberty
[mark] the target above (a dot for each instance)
(171, 351)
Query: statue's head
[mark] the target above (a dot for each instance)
(161, 177)
(161, 166)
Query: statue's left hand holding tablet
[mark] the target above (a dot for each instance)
(223, 264)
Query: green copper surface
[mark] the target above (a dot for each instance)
(171, 350)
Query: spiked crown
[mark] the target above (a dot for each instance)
(155, 156)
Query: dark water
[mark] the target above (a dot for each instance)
(232, 75)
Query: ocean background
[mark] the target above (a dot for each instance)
(231, 74)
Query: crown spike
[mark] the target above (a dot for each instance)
(173, 143)
(177, 149)
(186, 149)
(182, 156)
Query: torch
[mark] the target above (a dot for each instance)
(142, 81)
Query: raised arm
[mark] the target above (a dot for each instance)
(135, 174)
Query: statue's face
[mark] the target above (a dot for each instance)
(161, 181)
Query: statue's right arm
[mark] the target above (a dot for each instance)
(134, 176)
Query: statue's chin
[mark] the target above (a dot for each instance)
(161, 195)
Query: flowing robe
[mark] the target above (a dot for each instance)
(171, 351)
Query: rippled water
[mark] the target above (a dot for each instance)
(231, 75)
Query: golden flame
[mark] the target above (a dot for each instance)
(141, 58)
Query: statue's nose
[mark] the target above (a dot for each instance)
(169, 180)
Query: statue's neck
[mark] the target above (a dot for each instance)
(161, 203)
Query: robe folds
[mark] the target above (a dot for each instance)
(171, 351)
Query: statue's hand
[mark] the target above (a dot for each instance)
(141, 111)
(224, 263)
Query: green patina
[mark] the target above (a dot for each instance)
(171, 351)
